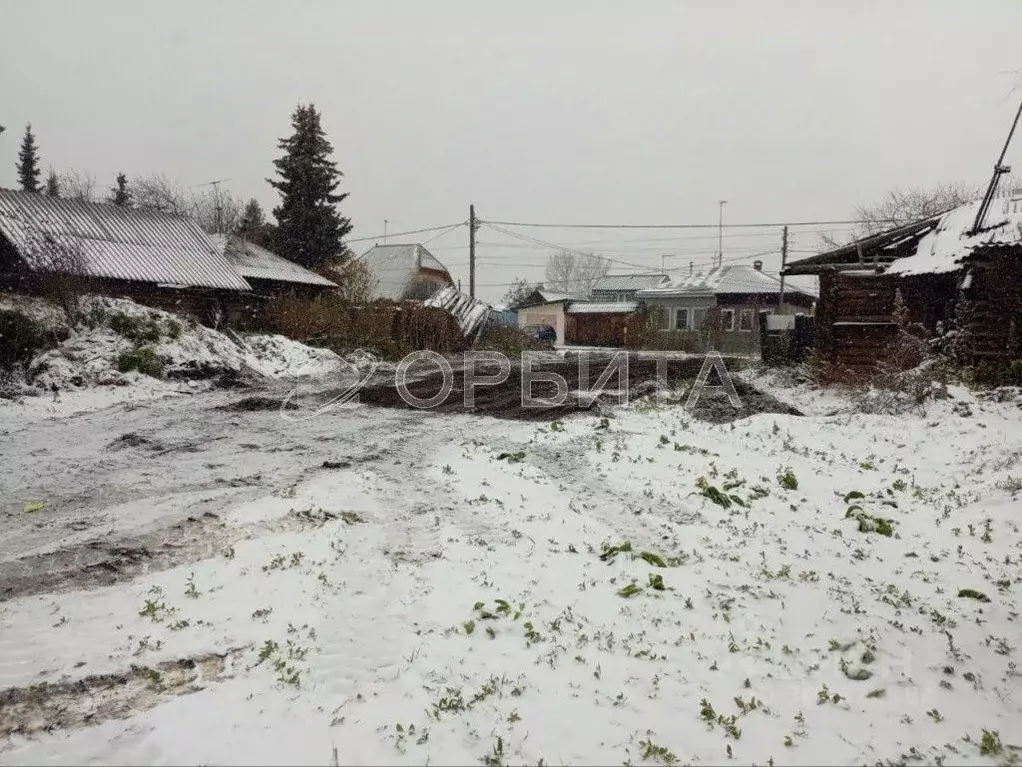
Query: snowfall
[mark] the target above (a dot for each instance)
(187, 582)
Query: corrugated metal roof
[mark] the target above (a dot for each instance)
(117, 243)
(258, 263)
(734, 278)
(395, 267)
(471, 313)
(608, 307)
(630, 281)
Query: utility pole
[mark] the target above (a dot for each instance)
(784, 262)
(472, 251)
(720, 234)
(385, 222)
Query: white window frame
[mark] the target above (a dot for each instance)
(688, 317)
(730, 314)
(752, 321)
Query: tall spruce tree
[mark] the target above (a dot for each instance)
(119, 194)
(309, 228)
(52, 184)
(28, 162)
(252, 217)
(254, 227)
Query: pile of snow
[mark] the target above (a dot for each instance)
(187, 350)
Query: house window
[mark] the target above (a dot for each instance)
(727, 319)
(745, 320)
(681, 319)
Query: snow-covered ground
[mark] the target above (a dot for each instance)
(399, 587)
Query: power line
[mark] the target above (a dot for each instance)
(445, 232)
(644, 267)
(410, 231)
(561, 247)
(688, 226)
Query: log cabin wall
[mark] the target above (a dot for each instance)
(994, 296)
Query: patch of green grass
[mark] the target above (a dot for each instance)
(868, 523)
(629, 591)
(973, 594)
(143, 359)
(656, 582)
(517, 457)
(787, 479)
(653, 752)
(138, 330)
(608, 551)
(32, 508)
(990, 743)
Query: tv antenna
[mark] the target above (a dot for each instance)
(217, 205)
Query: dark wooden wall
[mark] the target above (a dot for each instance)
(994, 299)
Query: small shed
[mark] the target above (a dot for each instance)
(266, 272)
(948, 274)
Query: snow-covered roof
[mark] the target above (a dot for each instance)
(733, 278)
(620, 282)
(258, 263)
(607, 307)
(544, 296)
(944, 248)
(395, 267)
(115, 242)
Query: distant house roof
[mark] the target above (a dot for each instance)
(624, 282)
(607, 307)
(116, 243)
(733, 279)
(934, 245)
(543, 296)
(257, 263)
(395, 267)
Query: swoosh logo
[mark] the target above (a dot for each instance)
(361, 363)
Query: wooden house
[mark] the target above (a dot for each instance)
(950, 275)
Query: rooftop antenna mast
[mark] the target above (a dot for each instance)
(999, 170)
(217, 204)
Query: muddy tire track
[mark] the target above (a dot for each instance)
(100, 697)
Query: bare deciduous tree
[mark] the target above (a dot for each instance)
(356, 284)
(569, 272)
(157, 192)
(76, 185)
(216, 210)
(60, 269)
(903, 206)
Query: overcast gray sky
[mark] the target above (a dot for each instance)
(560, 111)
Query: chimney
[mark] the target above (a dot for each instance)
(757, 265)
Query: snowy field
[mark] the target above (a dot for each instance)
(186, 583)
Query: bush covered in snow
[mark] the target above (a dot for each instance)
(118, 341)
